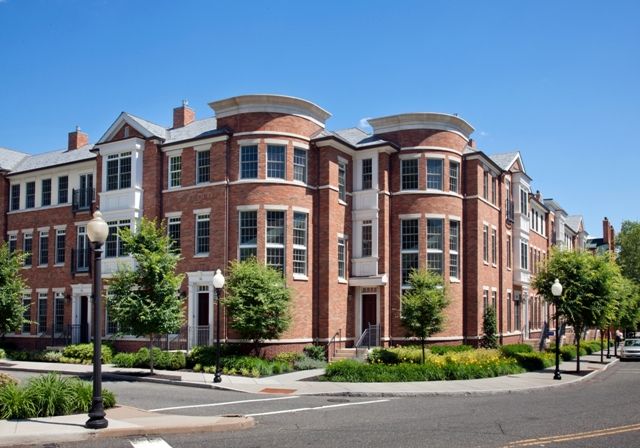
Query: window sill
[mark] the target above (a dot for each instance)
(486, 263)
(201, 255)
(454, 280)
(58, 265)
(341, 202)
(43, 266)
(494, 265)
(300, 277)
(342, 280)
(26, 267)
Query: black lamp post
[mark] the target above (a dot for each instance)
(609, 342)
(97, 231)
(556, 290)
(218, 284)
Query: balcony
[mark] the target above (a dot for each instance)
(82, 198)
(80, 261)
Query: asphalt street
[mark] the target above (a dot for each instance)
(603, 411)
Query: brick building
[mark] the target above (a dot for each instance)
(344, 214)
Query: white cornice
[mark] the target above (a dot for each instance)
(194, 143)
(421, 120)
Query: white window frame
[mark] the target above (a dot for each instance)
(175, 171)
(276, 245)
(119, 158)
(276, 165)
(199, 166)
(342, 180)
(454, 249)
(242, 163)
(403, 174)
(431, 176)
(300, 265)
(244, 245)
(200, 218)
(437, 251)
(45, 234)
(297, 151)
(342, 258)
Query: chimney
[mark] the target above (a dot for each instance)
(538, 196)
(605, 230)
(77, 139)
(472, 143)
(183, 115)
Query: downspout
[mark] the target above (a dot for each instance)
(316, 252)
(226, 218)
(501, 215)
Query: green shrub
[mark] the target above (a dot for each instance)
(2, 353)
(5, 379)
(383, 356)
(18, 356)
(534, 360)
(315, 352)
(443, 349)
(512, 349)
(288, 357)
(127, 360)
(50, 395)
(591, 347)
(307, 363)
(84, 353)
(16, 403)
(141, 359)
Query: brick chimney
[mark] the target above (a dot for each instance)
(183, 115)
(77, 139)
(606, 230)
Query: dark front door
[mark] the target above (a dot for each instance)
(84, 319)
(203, 318)
(369, 315)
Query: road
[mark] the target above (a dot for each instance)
(603, 411)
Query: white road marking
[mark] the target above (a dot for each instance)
(223, 404)
(149, 443)
(319, 408)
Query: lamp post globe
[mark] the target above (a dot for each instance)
(218, 284)
(97, 232)
(556, 290)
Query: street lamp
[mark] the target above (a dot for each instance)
(218, 284)
(556, 290)
(97, 231)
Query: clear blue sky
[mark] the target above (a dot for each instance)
(557, 80)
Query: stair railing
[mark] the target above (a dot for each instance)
(331, 345)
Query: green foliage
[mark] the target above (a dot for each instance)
(257, 301)
(2, 354)
(412, 353)
(568, 352)
(443, 349)
(512, 349)
(252, 366)
(49, 395)
(316, 352)
(307, 363)
(5, 379)
(628, 242)
(11, 286)
(423, 305)
(289, 357)
(489, 328)
(141, 359)
(628, 312)
(205, 355)
(385, 356)
(534, 360)
(146, 300)
(83, 353)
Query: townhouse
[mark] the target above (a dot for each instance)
(345, 215)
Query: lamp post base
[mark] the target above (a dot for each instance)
(96, 416)
(557, 376)
(217, 378)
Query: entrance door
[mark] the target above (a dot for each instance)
(369, 314)
(84, 319)
(203, 318)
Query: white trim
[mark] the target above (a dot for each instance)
(249, 142)
(193, 187)
(434, 339)
(201, 148)
(58, 290)
(27, 230)
(202, 211)
(283, 134)
(330, 187)
(342, 160)
(295, 208)
(428, 192)
(12, 232)
(247, 208)
(494, 289)
(203, 255)
(301, 277)
(173, 152)
(44, 229)
(434, 216)
(193, 143)
(342, 235)
(455, 218)
(271, 181)
(173, 214)
(415, 155)
(42, 290)
(276, 141)
(60, 227)
(410, 216)
(485, 288)
(454, 159)
(301, 145)
(435, 156)
(276, 207)
(35, 209)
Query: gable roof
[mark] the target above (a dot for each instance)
(53, 158)
(574, 222)
(10, 158)
(144, 127)
(506, 160)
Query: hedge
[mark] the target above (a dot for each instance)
(161, 359)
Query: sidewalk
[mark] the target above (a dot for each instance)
(127, 421)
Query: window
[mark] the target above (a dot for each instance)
(300, 243)
(341, 258)
(342, 180)
(114, 246)
(485, 185)
(485, 244)
(31, 195)
(508, 311)
(409, 174)
(82, 251)
(26, 302)
(524, 200)
(434, 174)
(63, 189)
(42, 312)
(248, 162)
(454, 175)
(494, 299)
(248, 235)
(367, 238)
(434, 245)
(367, 174)
(13, 243)
(524, 255)
(15, 197)
(45, 198)
(275, 239)
(276, 156)
(202, 234)
(61, 235)
(173, 230)
(509, 251)
(175, 171)
(494, 190)
(409, 245)
(118, 171)
(203, 166)
(300, 165)
(494, 247)
(58, 312)
(43, 258)
(454, 249)
(27, 248)
(485, 299)
(517, 319)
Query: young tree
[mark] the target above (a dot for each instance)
(628, 241)
(628, 312)
(423, 305)
(489, 328)
(145, 300)
(257, 301)
(587, 282)
(11, 286)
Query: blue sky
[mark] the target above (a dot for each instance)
(559, 81)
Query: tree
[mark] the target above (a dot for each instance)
(489, 328)
(258, 301)
(11, 286)
(423, 305)
(145, 300)
(628, 242)
(587, 282)
(628, 312)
